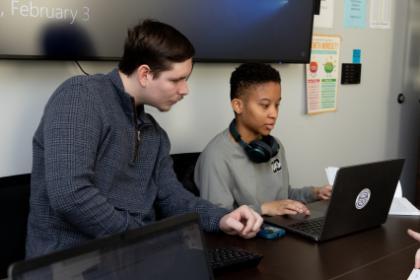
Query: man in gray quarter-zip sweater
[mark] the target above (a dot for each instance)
(101, 165)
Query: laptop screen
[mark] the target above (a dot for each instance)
(172, 248)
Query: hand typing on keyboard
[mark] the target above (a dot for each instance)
(323, 193)
(284, 207)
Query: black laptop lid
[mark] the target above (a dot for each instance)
(169, 249)
(361, 198)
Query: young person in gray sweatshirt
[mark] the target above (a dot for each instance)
(244, 164)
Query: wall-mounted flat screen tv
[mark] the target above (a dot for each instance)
(221, 30)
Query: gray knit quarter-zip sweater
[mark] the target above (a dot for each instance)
(100, 167)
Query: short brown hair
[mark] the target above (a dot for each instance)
(155, 44)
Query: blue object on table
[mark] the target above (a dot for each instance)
(271, 232)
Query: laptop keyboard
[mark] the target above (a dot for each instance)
(227, 258)
(311, 227)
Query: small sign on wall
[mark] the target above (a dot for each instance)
(355, 13)
(325, 19)
(380, 14)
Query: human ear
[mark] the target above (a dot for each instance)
(237, 105)
(143, 74)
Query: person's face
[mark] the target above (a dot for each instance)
(169, 87)
(257, 110)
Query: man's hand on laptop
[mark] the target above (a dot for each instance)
(284, 207)
(323, 193)
(242, 221)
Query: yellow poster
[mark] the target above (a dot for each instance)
(322, 74)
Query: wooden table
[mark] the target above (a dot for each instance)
(385, 252)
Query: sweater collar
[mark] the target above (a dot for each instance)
(126, 100)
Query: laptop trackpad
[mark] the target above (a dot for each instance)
(318, 208)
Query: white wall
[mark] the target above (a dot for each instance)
(362, 129)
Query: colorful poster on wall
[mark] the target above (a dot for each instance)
(322, 74)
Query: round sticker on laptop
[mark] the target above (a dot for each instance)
(363, 198)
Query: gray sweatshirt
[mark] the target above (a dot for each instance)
(226, 177)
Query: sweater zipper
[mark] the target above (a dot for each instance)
(137, 135)
(137, 144)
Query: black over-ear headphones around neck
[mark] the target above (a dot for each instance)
(258, 150)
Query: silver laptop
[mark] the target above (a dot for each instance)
(361, 198)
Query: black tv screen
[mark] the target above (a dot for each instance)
(221, 30)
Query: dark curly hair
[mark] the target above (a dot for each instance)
(249, 74)
(155, 44)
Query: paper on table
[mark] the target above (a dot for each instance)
(331, 171)
(401, 206)
(414, 275)
(398, 191)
